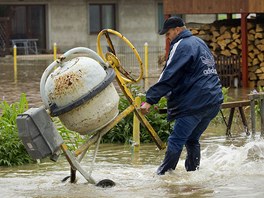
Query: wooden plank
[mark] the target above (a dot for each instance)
(234, 104)
(226, 105)
(255, 6)
(212, 6)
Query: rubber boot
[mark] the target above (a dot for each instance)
(192, 161)
(169, 163)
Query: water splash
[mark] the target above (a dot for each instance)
(227, 170)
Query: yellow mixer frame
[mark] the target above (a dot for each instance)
(122, 78)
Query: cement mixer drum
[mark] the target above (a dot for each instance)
(82, 94)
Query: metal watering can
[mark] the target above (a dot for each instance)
(80, 92)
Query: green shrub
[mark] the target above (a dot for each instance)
(72, 139)
(219, 118)
(123, 131)
(12, 150)
(257, 103)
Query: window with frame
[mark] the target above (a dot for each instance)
(102, 16)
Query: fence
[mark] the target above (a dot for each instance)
(229, 70)
(228, 67)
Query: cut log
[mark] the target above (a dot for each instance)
(232, 45)
(206, 27)
(222, 44)
(252, 76)
(260, 83)
(251, 37)
(250, 26)
(259, 28)
(258, 71)
(251, 55)
(225, 52)
(256, 51)
(235, 36)
(252, 84)
(213, 28)
(260, 47)
(214, 46)
(255, 61)
(259, 35)
(252, 31)
(260, 76)
(223, 29)
(252, 68)
(262, 69)
(251, 47)
(202, 32)
(227, 35)
(260, 57)
(206, 37)
(234, 51)
(233, 30)
(238, 41)
(257, 42)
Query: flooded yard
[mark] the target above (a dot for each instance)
(230, 167)
(227, 170)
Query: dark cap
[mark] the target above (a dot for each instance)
(171, 22)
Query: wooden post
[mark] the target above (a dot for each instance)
(167, 44)
(244, 50)
(252, 113)
(146, 84)
(136, 127)
(15, 63)
(262, 115)
(54, 51)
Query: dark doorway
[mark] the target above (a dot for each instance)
(26, 22)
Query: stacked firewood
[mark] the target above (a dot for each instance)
(225, 39)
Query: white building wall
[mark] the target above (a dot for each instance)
(67, 21)
(200, 18)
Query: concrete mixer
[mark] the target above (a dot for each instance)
(80, 92)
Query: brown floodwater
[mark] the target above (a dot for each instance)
(230, 167)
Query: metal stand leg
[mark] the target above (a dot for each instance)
(243, 117)
(73, 172)
(262, 115)
(253, 117)
(230, 120)
(73, 175)
(75, 165)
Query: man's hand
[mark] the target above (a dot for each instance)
(145, 108)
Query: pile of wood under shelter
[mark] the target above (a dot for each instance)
(224, 39)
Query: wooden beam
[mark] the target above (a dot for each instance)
(234, 104)
(167, 46)
(244, 50)
(212, 6)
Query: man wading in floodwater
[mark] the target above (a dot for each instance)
(193, 91)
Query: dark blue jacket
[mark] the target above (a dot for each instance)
(189, 80)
